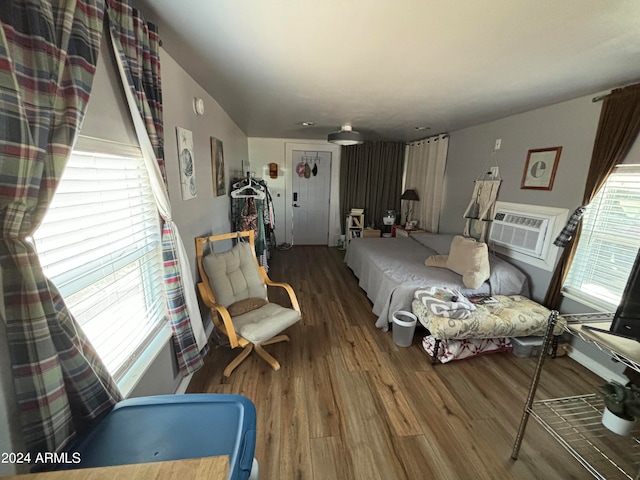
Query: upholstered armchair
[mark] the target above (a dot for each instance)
(234, 287)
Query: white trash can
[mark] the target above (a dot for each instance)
(404, 326)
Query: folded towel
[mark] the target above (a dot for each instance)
(445, 302)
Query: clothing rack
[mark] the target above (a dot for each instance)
(252, 209)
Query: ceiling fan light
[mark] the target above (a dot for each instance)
(345, 137)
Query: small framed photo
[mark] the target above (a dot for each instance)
(217, 167)
(540, 169)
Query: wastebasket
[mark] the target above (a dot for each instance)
(404, 326)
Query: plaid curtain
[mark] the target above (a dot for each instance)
(188, 354)
(48, 52)
(138, 46)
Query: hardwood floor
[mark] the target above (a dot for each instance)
(348, 404)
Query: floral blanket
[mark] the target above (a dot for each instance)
(511, 316)
(450, 350)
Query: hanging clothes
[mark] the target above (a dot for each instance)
(248, 219)
(252, 209)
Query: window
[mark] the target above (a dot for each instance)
(100, 244)
(608, 243)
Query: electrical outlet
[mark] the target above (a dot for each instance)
(495, 171)
(498, 143)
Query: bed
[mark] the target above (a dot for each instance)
(390, 270)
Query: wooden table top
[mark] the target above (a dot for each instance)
(207, 468)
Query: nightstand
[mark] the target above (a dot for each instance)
(399, 231)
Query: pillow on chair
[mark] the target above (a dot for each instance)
(233, 276)
(247, 305)
(468, 258)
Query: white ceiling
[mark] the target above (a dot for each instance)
(388, 66)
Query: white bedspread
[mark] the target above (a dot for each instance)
(391, 269)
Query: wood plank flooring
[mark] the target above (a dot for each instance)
(348, 404)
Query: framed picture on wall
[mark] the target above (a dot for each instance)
(217, 167)
(540, 169)
(186, 161)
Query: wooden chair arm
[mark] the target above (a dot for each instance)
(217, 309)
(206, 295)
(292, 295)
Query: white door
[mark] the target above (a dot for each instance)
(310, 197)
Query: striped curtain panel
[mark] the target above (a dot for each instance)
(48, 52)
(137, 45)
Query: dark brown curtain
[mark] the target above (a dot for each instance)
(617, 131)
(371, 178)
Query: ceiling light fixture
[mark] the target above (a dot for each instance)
(346, 136)
(307, 124)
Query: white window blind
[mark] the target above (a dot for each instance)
(608, 243)
(100, 244)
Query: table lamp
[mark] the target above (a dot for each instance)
(410, 196)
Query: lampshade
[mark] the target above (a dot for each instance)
(410, 195)
(346, 136)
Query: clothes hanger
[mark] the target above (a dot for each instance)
(251, 190)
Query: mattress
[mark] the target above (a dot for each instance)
(390, 270)
(511, 316)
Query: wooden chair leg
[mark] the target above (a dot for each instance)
(279, 338)
(267, 357)
(238, 360)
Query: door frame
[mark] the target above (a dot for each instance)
(334, 196)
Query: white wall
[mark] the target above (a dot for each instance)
(263, 151)
(571, 125)
(204, 215)
(108, 117)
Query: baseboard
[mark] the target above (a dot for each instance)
(601, 370)
(184, 384)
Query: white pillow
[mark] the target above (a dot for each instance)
(470, 259)
(467, 257)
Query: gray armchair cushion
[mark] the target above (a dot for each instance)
(265, 323)
(233, 275)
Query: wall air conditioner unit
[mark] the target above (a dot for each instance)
(527, 232)
(522, 233)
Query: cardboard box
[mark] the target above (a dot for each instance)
(371, 233)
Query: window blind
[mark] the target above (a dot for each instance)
(608, 243)
(100, 244)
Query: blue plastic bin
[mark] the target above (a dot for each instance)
(173, 427)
